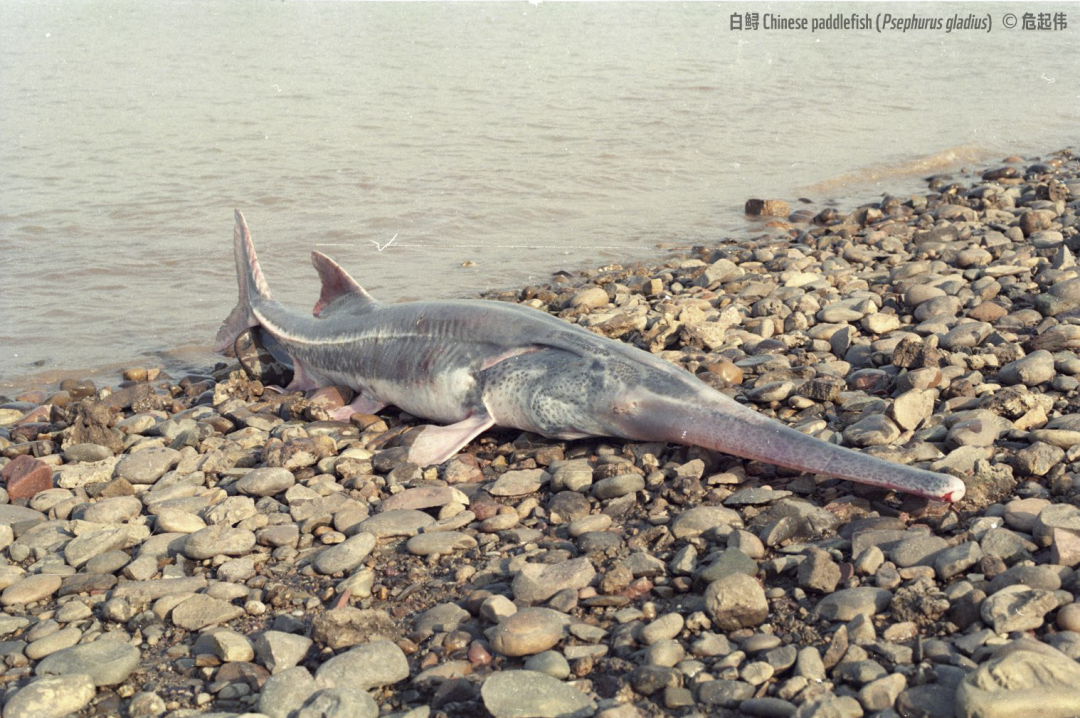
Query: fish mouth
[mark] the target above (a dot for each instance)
(715, 421)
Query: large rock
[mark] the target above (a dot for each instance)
(1025, 678)
(107, 661)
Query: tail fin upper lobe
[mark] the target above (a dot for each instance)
(251, 282)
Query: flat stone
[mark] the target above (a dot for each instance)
(424, 497)
(616, 486)
(201, 611)
(265, 482)
(33, 588)
(344, 556)
(113, 511)
(701, 519)
(147, 465)
(529, 631)
(519, 483)
(846, 604)
(724, 693)
(107, 661)
(399, 522)
(152, 590)
(439, 542)
(367, 666)
(736, 601)
(918, 550)
(219, 539)
(86, 546)
(177, 521)
(348, 626)
(52, 697)
(531, 694)
(1017, 608)
(538, 582)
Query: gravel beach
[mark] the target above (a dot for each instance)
(201, 545)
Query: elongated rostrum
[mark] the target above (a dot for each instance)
(469, 365)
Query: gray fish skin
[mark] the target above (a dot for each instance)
(473, 364)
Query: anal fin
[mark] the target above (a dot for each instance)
(436, 444)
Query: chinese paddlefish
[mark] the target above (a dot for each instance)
(468, 365)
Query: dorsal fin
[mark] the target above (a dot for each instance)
(336, 283)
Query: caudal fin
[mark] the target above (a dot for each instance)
(252, 284)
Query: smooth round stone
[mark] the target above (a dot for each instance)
(531, 694)
(219, 539)
(64, 638)
(529, 631)
(518, 483)
(1020, 514)
(107, 661)
(588, 524)
(1068, 618)
(616, 486)
(86, 453)
(177, 521)
(369, 665)
(662, 628)
(30, 589)
(918, 551)
(114, 510)
(770, 707)
(265, 482)
(53, 697)
(346, 555)
(550, 662)
(146, 466)
(202, 611)
(439, 542)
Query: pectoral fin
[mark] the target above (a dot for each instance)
(436, 444)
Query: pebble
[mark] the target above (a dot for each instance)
(439, 543)
(265, 482)
(279, 651)
(202, 611)
(736, 601)
(346, 555)
(528, 631)
(30, 589)
(219, 539)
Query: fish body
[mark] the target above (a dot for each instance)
(472, 364)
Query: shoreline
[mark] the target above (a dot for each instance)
(229, 547)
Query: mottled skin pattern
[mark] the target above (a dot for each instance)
(474, 364)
